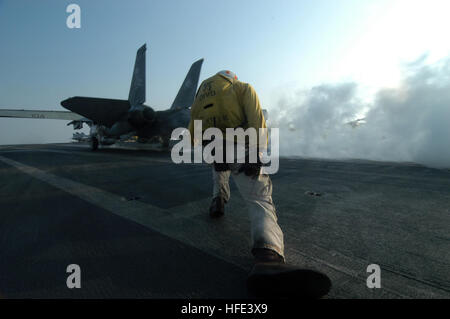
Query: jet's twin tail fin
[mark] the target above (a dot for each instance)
(137, 89)
(186, 94)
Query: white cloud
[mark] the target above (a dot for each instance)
(407, 123)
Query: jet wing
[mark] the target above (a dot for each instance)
(40, 114)
(102, 111)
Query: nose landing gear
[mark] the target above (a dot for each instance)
(94, 143)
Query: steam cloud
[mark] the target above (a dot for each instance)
(410, 123)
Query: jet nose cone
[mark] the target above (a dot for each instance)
(66, 102)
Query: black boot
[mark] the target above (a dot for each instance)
(272, 278)
(264, 255)
(217, 208)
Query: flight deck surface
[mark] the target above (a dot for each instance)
(138, 226)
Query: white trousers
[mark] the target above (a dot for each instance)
(257, 192)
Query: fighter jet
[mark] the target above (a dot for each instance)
(357, 122)
(113, 120)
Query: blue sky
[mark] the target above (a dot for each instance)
(274, 45)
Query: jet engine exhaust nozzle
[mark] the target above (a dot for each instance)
(141, 115)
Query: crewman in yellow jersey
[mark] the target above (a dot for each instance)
(223, 101)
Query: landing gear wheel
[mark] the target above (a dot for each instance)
(94, 143)
(165, 144)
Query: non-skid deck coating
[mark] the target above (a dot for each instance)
(138, 227)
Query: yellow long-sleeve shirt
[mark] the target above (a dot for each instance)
(223, 103)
